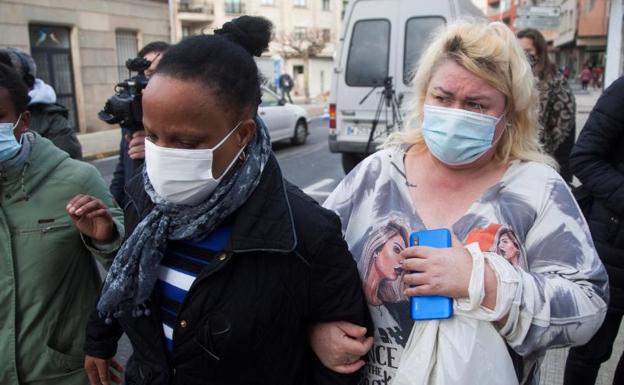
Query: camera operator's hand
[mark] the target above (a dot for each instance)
(136, 145)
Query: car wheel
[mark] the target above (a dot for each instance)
(350, 160)
(301, 133)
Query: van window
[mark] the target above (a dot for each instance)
(367, 63)
(417, 33)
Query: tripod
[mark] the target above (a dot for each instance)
(388, 102)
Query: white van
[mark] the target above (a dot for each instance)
(381, 42)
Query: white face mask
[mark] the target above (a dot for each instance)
(183, 176)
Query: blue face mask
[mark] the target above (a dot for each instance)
(457, 137)
(9, 146)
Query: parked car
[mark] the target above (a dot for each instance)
(284, 120)
(382, 40)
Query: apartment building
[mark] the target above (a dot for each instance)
(297, 23)
(80, 46)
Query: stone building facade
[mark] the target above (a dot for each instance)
(290, 18)
(80, 46)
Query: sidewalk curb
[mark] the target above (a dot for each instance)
(100, 155)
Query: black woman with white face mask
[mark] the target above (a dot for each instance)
(227, 265)
(471, 163)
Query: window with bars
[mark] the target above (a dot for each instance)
(299, 33)
(50, 47)
(127, 48)
(234, 6)
(300, 3)
(326, 5)
(326, 34)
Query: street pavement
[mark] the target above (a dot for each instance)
(317, 171)
(310, 166)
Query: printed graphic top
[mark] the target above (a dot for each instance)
(529, 217)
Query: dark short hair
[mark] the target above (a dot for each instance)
(155, 46)
(223, 62)
(5, 58)
(544, 68)
(11, 81)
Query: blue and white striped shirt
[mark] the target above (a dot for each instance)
(182, 263)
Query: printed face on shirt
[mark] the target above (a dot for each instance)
(388, 258)
(507, 248)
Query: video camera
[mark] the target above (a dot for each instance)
(124, 108)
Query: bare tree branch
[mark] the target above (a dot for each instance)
(302, 45)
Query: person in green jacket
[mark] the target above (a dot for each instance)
(56, 214)
(47, 117)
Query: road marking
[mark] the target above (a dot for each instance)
(299, 151)
(314, 188)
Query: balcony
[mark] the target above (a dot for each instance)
(196, 11)
(234, 7)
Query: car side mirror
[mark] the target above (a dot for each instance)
(282, 102)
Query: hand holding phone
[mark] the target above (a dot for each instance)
(431, 307)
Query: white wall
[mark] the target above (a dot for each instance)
(320, 76)
(615, 49)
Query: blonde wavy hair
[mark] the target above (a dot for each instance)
(491, 52)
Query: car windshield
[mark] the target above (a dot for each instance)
(269, 99)
(367, 63)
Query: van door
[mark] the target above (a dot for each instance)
(418, 21)
(368, 57)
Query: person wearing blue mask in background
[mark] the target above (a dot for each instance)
(56, 214)
(227, 265)
(47, 117)
(471, 162)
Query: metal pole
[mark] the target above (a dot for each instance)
(614, 43)
(173, 24)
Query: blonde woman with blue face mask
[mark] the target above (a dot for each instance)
(470, 162)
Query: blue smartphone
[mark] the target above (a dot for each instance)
(431, 307)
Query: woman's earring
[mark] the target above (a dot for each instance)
(243, 156)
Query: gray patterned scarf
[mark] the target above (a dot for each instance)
(134, 272)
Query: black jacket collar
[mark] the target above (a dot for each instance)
(263, 223)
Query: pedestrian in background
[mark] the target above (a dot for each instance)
(56, 215)
(597, 72)
(132, 144)
(47, 117)
(286, 85)
(226, 265)
(586, 76)
(557, 107)
(598, 161)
